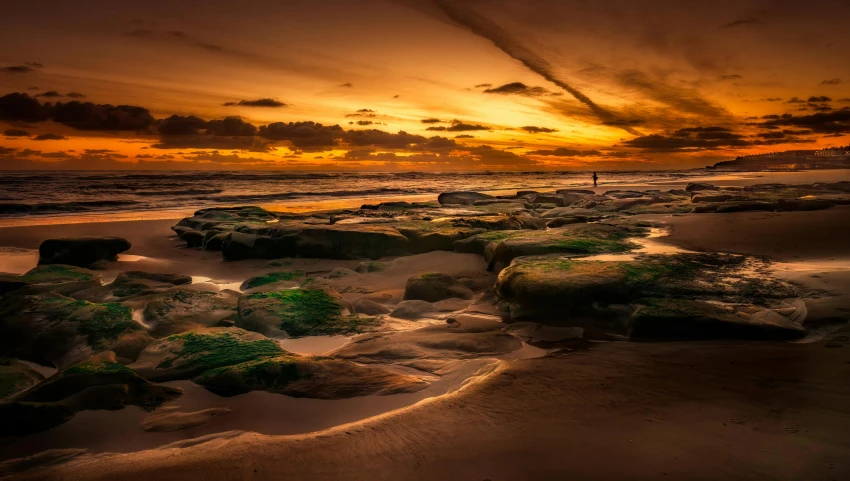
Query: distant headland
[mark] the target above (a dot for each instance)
(829, 158)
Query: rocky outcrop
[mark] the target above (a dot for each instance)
(461, 198)
(434, 287)
(81, 251)
(182, 309)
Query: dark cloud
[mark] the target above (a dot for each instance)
(365, 111)
(481, 86)
(835, 122)
(537, 130)
(518, 88)
(437, 129)
(458, 126)
(771, 99)
(347, 85)
(693, 138)
(464, 136)
(821, 98)
(181, 125)
(833, 81)
(365, 122)
(75, 95)
(794, 100)
(50, 94)
(16, 133)
(563, 152)
(431, 121)
(21, 107)
(104, 117)
(484, 27)
(230, 126)
(17, 69)
(256, 103)
(35, 64)
(730, 77)
(681, 99)
(304, 135)
(50, 137)
(379, 138)
(749, 20)
(6, 150)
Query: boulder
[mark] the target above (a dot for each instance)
(461, 198)
(238, 246)
(16, 377)
(434, 286)
(413, 310)
(368, 307)
(132, 284)
(182, 308)
(81, 251)
(803, 204)
(310, 377)
(562, 221)
(312, 311)
(687, 319)
(350, 241)
(426, 236)
(697, 187)
(193, 238)
(56, 278)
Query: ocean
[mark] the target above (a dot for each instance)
(68, 193)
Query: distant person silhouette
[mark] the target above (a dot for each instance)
(595, 178)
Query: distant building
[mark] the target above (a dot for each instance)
(829, 158)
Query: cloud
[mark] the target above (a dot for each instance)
(486, 28)
(564, 152)
(6, 150)
(364, 122)
(431, 121)
(230, 133)
(481, 86)
(347, 85)
(464, 136)
(681, 99)
(230, 126)
(518, 88)
(50, 94)
(749, 20)
(771, 99)
(835, 122)
(693, 138)
(794, 100)
(102, 117)
(17, 69)
(50, 137)
(537, 130)
(379, 138)
(458, 126)
(304, 135)
(16, 133)
(21, 107)
(833, 81)
(256, 103)
(181, 125)
(821, 98)
(730, 77)
(75, 95)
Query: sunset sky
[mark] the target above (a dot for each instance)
(419, 84)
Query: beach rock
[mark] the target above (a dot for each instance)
(369, 307)
(543, 198)
(239, 246)
(429, 236)
(16, 377)
(712, 198)
(435, 286)
(461, 198)
(371, 266)
(49, 328)
(687, 319)
(466, 339)
(131, 284)
(697, 187)
(562, 221)
(413, 310)
(214, 240)
(350, 241)
(186, 355)
(276, 280)
(803, 204)
(98, 383)
(308, 377)
(81, 251)
(181, 309)
(312, 311)
(576, 239)
(193, 238)
(559, 287)
(59, 279)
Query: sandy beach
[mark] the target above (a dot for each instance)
(706, 409)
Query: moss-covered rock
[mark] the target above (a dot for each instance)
(132, 284)
(182, 308)
(186, 355)
(312, 377)
(350, 241)
(296, 277)
(61, 330)
(372, 266)
(60, 279)
(558, 287)
(576, 240)
(299, 312)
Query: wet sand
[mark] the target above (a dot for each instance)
(623, 410)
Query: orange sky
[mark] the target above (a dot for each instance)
(572, 84)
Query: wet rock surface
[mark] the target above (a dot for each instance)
(81, 251)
